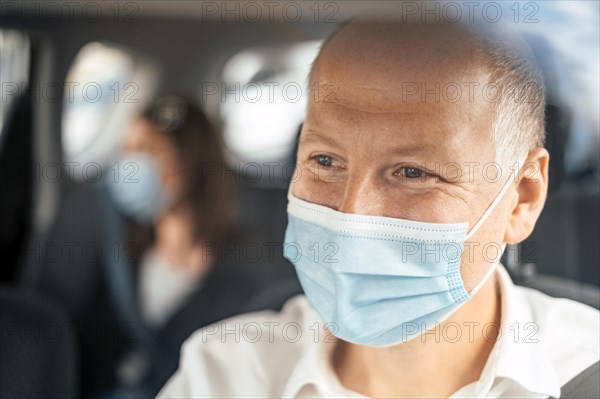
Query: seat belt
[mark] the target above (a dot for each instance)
(585, 385)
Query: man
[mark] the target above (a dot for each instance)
(411, 178)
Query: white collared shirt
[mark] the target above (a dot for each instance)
(287, 354)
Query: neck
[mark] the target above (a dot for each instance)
(448, 358)
(175, 241)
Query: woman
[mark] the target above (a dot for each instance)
(177, 196)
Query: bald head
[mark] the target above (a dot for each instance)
(385, 54)
(386, 66)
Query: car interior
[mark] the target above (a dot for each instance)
(64, 284)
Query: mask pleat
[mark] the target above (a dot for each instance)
(379, 281)
(412, 329)
(379, 288)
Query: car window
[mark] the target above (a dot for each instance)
(262, 100)
(103, 89)
(570, 60)
(14, 70)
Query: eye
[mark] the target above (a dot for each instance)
(325, 167)
(411, 172)
(324, 160)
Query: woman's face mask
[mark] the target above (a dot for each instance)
(137, 190)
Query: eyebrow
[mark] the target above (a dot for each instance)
(311, 137)
(413, 148)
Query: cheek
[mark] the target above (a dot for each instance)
(171, 175)
(483, 247)
(432, 206)
(308, 187)
(171, 184)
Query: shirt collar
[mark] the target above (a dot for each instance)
(520, 358)
(314, 368)
(520, 353)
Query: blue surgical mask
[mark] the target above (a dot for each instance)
(136, 189)
(379, 281)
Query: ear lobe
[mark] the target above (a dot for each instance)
(532, 190)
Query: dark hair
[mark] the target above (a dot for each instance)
(207, 187)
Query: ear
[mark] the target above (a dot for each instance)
(532, 189)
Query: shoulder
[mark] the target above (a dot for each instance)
(569, 331)
(251, 355)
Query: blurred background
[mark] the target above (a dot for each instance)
(96, 298)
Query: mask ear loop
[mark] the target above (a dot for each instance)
(489, 273)
(494, 203)
(485, 215)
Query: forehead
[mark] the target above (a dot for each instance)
(420, 83)
(141, 133)
(386, 51)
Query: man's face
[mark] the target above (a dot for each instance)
(371, 148)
